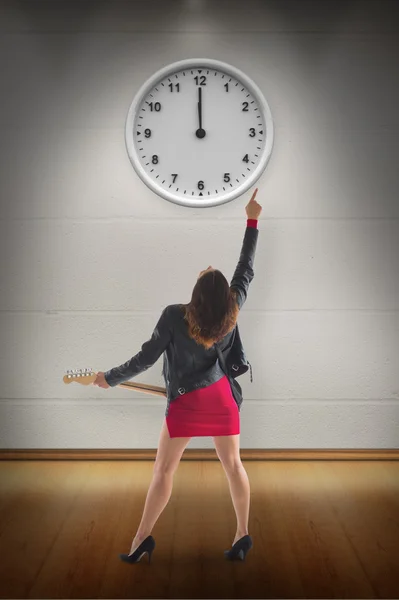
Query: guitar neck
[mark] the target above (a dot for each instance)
(144, 387)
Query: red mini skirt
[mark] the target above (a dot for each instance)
(208, 411)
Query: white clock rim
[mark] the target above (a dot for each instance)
(202, 202)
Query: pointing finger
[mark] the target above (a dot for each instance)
(254, 194)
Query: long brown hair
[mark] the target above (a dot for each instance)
(213, 309)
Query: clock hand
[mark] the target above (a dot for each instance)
(200, 133)
(200, 107)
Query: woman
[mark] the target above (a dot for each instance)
(211, 314)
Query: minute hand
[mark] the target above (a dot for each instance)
(200, 133)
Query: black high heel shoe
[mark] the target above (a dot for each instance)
(146, 545)
(240, 549)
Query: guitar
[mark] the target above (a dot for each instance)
(87, 376)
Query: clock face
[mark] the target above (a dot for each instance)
(199, 132)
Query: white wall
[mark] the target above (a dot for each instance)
(90, 256)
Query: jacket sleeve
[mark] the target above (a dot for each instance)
(148, 355)
(244, 272)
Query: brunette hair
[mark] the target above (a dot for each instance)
(213, 309)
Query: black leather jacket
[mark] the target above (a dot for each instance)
(187, 365)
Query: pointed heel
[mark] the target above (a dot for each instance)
(240, 549)
(146, 546)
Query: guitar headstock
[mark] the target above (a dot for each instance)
(83, 376)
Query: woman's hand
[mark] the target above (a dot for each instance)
(100, 381)
(253, 208)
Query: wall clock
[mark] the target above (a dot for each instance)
(199, 132)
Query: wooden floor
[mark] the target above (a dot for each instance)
(320, 529)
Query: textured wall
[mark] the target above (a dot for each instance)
(90, 256)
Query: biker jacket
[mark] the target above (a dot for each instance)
(187, 365)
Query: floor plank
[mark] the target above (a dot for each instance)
(320, 529)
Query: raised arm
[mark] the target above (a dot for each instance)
(244, 272)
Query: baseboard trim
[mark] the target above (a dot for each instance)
(189, 454)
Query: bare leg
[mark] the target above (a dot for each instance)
(158, 497)
(228, 450)
(240, 495)
(167, 460)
